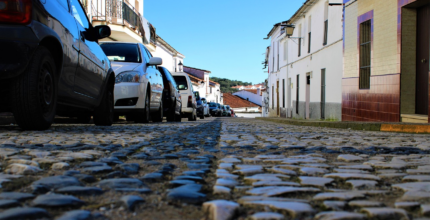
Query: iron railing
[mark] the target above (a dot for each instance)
(119, 12)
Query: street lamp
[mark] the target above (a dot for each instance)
(181, 66)
(289, 30)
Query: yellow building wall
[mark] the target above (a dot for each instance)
(385, 50)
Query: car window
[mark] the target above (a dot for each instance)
(181, 81)
(212, 104)
(79, 14)
(169, 77)
(64, 3)
(122, 52)
(145, 55)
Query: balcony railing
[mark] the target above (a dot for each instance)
(119, 12)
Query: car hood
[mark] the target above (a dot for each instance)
(119, 67)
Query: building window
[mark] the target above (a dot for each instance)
(285, 50)
(300, 47)
(283, 93)
(210, 90)
(309, 34)
(273, 97)
(325, 32)
(300, 40)
(365, 54)
(323, 94)
(278, 55)
(297, 95)
(325, 24)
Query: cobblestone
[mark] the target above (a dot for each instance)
(212, 169)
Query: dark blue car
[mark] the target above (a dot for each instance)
(51, 64)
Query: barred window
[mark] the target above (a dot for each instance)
(365, 54)
(325, 32)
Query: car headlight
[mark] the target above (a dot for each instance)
(127, 77)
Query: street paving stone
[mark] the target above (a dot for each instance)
(216, 168)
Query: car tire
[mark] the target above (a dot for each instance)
(103, 114)
(171, 115)
(84, 118)
(144, 116)
(202, 116)
(158, 116)
(35, 92)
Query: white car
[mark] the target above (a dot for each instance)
(206, 108)
(138, 83)
(189, 105)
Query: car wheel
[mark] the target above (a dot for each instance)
(103, 114)
(195, 115)
(202, 116)
(35, 92)
(84, 118)
(143, 117)
(191, 117)
(171, 116)
(158, 116)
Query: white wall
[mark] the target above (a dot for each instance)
(250, 96)
(290, 64)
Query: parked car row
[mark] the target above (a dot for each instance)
(216, 109)
(53, 65)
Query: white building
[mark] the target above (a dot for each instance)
(202, 83)
(305, 69)
(254, 96)
(171, 57)
(125, 18)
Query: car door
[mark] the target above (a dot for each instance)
(155, 79)
(63, 23)
(150, 76)
(91, 70)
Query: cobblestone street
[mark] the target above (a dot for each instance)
(217, 168)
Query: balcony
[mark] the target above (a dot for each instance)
(123, 18)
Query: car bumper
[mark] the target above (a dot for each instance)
(17, 43)
(129, 96)
(187, 110)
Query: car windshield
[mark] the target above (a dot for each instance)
(181, 81)
(228, 107)
(212, 104)
(122, 52)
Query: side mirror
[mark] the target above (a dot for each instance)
(154, 61)
(102, 31)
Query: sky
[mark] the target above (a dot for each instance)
(222, 36)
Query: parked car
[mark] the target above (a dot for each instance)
(171, 96)
(232, 113)
(206, 107)
(138, 83)
(220, 109)
(51, 64)
(228, 110)
(188, 98)
(224, 110)
(200, 105)
(214, 109)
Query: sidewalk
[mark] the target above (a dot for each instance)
(367, 126)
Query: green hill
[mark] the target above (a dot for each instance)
(226, 84)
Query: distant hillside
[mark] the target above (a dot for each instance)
(226, 84)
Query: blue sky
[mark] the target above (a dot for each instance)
(223, 36)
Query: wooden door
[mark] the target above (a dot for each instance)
(277, 98)
(422, 79)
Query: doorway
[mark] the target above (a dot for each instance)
(422, 78)
(277, 98)
(308, 95)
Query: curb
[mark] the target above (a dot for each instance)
(359, 126)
